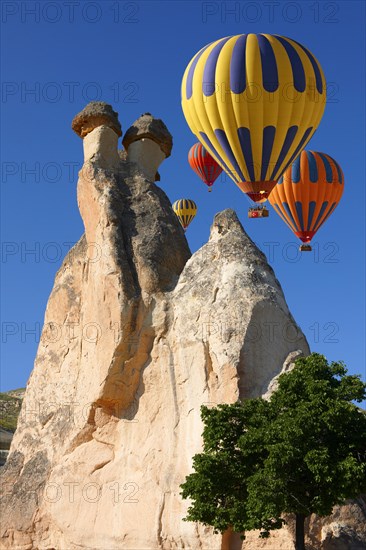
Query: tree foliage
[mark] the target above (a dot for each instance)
(301, 452)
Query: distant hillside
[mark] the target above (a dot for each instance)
(10, 404)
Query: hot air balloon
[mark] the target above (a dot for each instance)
(307, 193)
(254, 101)
(203, 164)
(186, 210)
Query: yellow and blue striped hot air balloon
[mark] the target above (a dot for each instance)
(307, 194)
(186, 210)
(254, 101)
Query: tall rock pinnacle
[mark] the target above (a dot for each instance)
(138, 334)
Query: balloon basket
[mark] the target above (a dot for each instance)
(305, 248)
(258, 212)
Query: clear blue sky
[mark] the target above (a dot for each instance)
(133, 55)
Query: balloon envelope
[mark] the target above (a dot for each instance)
(186, 210)
(308, 193)
(203, 164)
(254, 101)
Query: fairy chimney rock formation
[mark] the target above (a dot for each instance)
(99, 127)
(148, 142)
(138, 334)
(96, 113)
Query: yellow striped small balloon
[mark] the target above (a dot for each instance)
(186, 210)
(254, 101)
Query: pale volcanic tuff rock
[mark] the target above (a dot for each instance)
(148, 142)
(138, 334)
(148, 127)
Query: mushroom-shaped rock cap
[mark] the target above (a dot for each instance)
(96, 113)
(151, 128)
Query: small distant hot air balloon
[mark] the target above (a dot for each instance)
(186, 210)
(254, 101)
(204, 165)
(307, 194)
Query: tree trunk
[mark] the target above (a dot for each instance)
(300, 532)
(231, 540)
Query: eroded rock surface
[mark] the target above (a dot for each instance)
(149, 127)
(96, 113)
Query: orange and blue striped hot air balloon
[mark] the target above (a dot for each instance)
(204, 165)
(254, 101)
(308, 193)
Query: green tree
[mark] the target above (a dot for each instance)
(301, 452)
